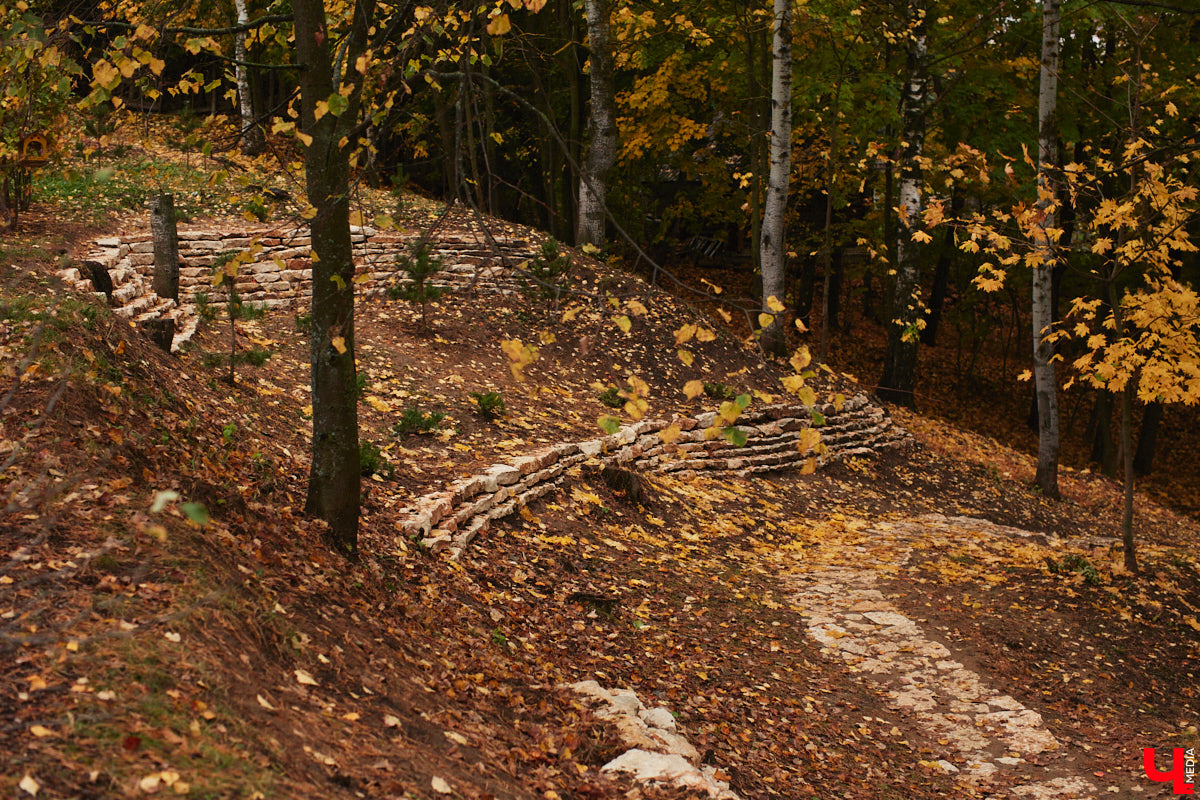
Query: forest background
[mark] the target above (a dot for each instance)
(1013, 185)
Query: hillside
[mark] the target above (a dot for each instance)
(907, 621)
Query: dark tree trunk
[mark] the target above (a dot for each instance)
(941, 276)
(1104, 452)
(900, 363)
(334, 478)
(1143, 459)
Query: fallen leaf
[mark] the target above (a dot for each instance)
(305, 678)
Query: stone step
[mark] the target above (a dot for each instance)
(135, 306)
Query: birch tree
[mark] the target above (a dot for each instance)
(602, 127)
(253, 142)
(1045, 236)
(773, 249)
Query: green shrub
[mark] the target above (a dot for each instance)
(371, 461)
(489, 405)
(611, 397)
(719, 391)
(548, 275)
(414, 420)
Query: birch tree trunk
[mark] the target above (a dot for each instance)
(900, 365)
(252, 135)
(1044, 381)
(773, 249)
(334, 479)
(602, 127)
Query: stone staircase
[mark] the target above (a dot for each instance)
(450, 519)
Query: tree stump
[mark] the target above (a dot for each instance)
(161, 331)
(166, 247)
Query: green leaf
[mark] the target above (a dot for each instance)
(337, 104)
(609, 424)
(743, 400)
(818, 419)
(735, 436)
(196, 512)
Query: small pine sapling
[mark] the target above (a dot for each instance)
(489, 405)
(549, 274)
(225, 273)
(418, 287)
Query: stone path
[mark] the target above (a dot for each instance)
(990, 733)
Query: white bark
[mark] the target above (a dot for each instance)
(252, 135)
(1045, 384)
(773, 249)
(602, 128)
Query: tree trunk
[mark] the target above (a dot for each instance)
(1103, 452)
(166, 247)
(1043, 272)
(941, 276)
(602, 128)
(900, 364)
(252, 135)
(773, 250)
(1127, 452)
(334, 478)
(827, 248)
(1143, 459)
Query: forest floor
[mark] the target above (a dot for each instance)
(793, 625)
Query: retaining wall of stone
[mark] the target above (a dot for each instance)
(450, 519)
(281, 274)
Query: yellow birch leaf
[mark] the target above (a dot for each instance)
(808, 439)
(693, 389)
(499, 25)
(636, 307)
(623, 323)
(800, 359)
(686, 357)
(810, 466)
(684, 334)
(304, 138)
(765, 320)
(705, 335)
(774, 305)
(670, 433)
(339, 344)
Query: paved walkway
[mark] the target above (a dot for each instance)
(988, 733)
